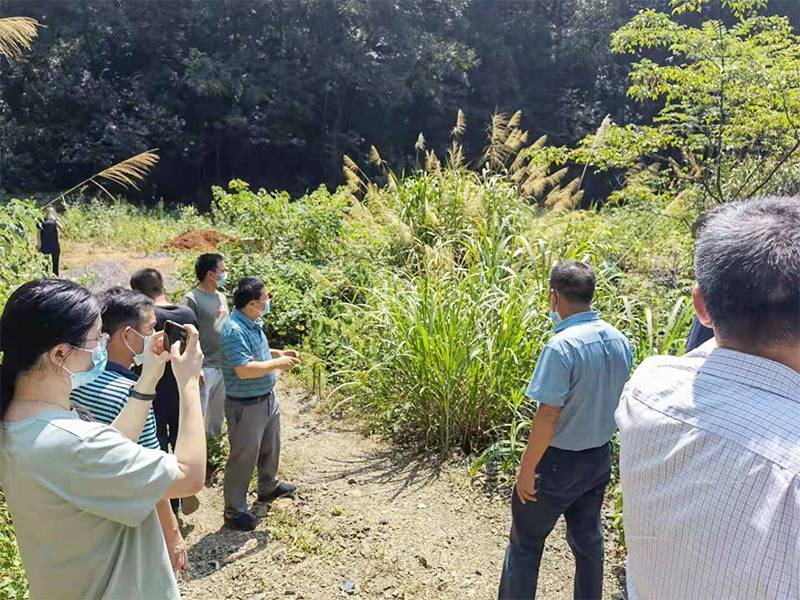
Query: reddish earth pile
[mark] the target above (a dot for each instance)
(199, 239)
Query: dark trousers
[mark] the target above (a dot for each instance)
(167, 433)
(572, 484)
(54, 255)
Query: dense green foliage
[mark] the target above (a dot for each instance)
(728, 92)
(18, 226)
(275, 92)
(120, 225)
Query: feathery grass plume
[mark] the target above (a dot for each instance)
(126, 174)
(537, 180)
(461, 125)
(493, 155)
(517, 170)
(515, 140)
(431, 162)
(568, 202)
(17, 35)
(419, 146)
(551, 180)
(599, 136)
(553, 196)
(402, 229)
(456, 155)
(570, 196)
(473, 203)
(375, 157)
(539, 143)
(430, 215)
(515, 120)
(350, 170)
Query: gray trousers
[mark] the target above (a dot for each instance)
(254, 433)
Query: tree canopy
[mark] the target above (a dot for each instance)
(276, 92)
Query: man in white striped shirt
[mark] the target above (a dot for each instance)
(129, 319)
(710, 442)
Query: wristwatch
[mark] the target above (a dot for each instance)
(140, 396)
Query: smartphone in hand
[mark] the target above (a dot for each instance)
(176, 333)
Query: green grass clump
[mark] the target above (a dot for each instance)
(121, 225)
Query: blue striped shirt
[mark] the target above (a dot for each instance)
(243, 341)
(106, 396)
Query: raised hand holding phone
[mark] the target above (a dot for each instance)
(187, 357)
(176, 333)
(156, 355)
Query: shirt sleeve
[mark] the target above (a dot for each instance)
(235, 350)
(115, 478)
(550, 382)
(189, 301)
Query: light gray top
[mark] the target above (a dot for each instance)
(82, 497)
(211, 311)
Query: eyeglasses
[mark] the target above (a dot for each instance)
(102, 341)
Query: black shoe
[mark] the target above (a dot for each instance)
(245, 521)
(189, 505)
(282, 491)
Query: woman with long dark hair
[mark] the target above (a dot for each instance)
(81, 494)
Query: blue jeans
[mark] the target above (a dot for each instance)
(570, 484)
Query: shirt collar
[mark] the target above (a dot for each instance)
(118, 368)
(586, 316)
(245, 320)
(753, 371)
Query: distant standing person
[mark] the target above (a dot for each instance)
(567, 463)
(251, 408)
(211, 309)
(48, 237)
(167, 403)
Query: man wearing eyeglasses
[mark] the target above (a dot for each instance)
(251, 409)
(128, 322)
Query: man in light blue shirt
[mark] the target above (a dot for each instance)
(566, 466)
(249, 366)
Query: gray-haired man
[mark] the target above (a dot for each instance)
(710, 442)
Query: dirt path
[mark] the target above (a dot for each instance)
(369, 520)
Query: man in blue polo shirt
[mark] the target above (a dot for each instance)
(566, 466)
(251, 409)
(129, 320)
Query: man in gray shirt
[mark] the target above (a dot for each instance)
(211, 309)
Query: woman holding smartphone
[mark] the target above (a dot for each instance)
(82, 495)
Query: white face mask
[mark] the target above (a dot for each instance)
(138, 357)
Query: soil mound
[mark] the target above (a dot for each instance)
(199, 239)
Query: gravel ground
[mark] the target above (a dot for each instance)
(369, 521)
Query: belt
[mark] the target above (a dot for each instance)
(254, 399)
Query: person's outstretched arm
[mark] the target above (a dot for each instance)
(190, 447)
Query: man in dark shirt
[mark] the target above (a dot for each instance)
(48, 237)
(698, 335)
(167, 404)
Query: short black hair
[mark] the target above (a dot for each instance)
(206, 263)
(747, 264)
(121, 307)
(573, 279)
(149, 282)
(247, 290)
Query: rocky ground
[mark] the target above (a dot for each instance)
(370, 520)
